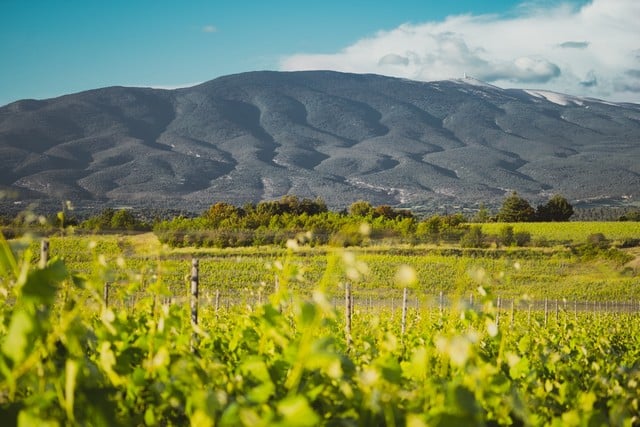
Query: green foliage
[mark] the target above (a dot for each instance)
(291, 205)
(360, 208)
(123, 220)
(275, 222)
(441, 229)
(221, 212)
(67, 359)
(387, 212)
(482, 215)
(598, 241)
(556, 209)
(563, 233)
(515, 209)
(630, 216)
(473, 238)
(114, 220)
(506, 235)
(522, 238)
(349, 235)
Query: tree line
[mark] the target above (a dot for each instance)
(277, 221)
(517, 209)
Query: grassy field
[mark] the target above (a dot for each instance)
(576, 232)
(538, 273)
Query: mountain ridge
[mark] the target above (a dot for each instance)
(342, 137)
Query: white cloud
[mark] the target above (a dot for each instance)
(209, 29)
(393, 59)
(593, 50)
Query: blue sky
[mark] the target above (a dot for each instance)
(587, 48)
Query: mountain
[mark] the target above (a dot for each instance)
(342, 137)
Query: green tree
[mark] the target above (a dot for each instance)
(102, 221)
(473, 238)
(506, 235)
(630, 216)
(384, 211)
(312, 207)
(360, 208)
(123, 220)
(429, 229)
(556, 209)
(516, 209)
(220, 212)
(482, 215)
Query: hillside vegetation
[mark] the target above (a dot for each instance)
(343, 137)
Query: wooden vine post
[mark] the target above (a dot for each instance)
(105, 294)
(404, 311)
(195, 282)
(44, 253)
(513, 313)
(347, 313)
(546, 311)
(276, 290)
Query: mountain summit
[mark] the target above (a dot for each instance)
(342, 137)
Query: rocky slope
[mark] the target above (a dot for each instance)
(260, 135)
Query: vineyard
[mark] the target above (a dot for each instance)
(304, 336)
(571, 231)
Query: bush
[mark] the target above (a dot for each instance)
(598, 241)
(522, 238)
(473, 238)
(630, 216)
(506, 236)
(541, 242)
(349, 235)
(629, 243)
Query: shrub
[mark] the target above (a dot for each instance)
(522, 238)
(506, 236)
(597, 240)
(629, 243)
(349, 235)
(473, 238)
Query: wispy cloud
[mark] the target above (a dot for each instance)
(209, 29)
(586, 50)
(574, 45)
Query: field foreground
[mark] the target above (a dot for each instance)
(467, 346)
